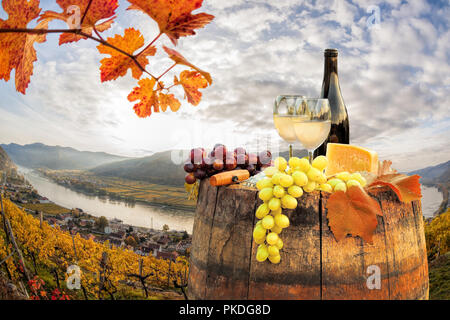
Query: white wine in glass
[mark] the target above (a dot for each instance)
(312, 123)
(285, 127)
(312, 133)
(284, 114)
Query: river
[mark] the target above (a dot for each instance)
(141, 215)
(431, 200)
(136, 214)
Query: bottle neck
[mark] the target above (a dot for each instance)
(331, 66)
(330, 77)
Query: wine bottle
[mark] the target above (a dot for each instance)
(340, 131)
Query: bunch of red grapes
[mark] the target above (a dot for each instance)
(201, 164)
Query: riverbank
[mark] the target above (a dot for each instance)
(132, 213)
(117, 189)
(444, 204)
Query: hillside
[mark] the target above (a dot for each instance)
(157, 168)
(5, 160)
(38, 155)
(435, 174)
(438, 176)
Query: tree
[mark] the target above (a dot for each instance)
(165, 228)
(124, 52)
(131, 241)
(129, 230)
(101, 223)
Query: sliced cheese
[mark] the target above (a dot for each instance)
(345, 157)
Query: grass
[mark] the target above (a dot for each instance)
(48, 208)
(439, 274)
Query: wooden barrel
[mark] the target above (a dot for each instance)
(313, 264)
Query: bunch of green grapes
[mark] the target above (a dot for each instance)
(342, 181)
(280, 190)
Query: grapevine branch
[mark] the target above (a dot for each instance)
(85, 12)
(99, 40)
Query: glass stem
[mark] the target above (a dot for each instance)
(290, 151)
(310, 155)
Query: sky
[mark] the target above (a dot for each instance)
(394, 71)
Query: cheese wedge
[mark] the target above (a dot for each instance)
(345, 157)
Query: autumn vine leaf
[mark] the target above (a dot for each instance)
(95, 10)
(191, 81)
(86, 19)
(353, 212)
(17, 50)
(118, 64)
(168, 100)
(174, 17)
(407, 188)
(148, 98)
(179, 59)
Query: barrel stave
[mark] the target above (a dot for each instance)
(345, 264)
(230, 244)
(297, 276)
(407, 263)
(201, 235)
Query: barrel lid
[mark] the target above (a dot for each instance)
(331, 53)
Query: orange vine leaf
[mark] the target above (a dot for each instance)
(353, 212)
(17, 50)
(148, 98)
(179, 59)
(407, 188)
(174, 17)
(191, 82)
(73, 12)
(118, 64)
(168, 100)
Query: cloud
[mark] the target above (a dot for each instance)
(394, 79)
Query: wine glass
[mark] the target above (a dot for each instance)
(284, 112)
(312, 123)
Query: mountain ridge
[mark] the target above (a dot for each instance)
(5, 160)
(434, 174)
(39, 155)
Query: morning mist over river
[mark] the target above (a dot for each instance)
(139, 214)
(136, 214)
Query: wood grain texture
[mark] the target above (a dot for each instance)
(297, 276)
(201, 235)
(313, 264)
(345, 263)
(230, 245)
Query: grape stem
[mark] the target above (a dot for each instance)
(310, 156)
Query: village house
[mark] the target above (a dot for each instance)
(167, 255)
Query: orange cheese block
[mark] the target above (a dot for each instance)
(345, 157)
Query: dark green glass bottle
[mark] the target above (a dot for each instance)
(340, 130)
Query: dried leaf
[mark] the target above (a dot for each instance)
(353, 212)
(179, 59)
(407, 188)
(118, 64)
(174, 17)
(17, 50)
(385, 168)
(148, 96)
(98, 10)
